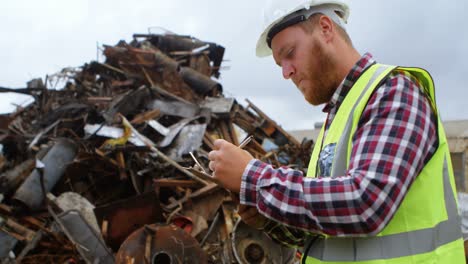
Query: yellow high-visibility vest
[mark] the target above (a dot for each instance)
(426, 227)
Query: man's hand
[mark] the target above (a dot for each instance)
(228, 162)
(251, 216)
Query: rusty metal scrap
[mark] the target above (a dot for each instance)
(253, 246)
(113, 166)
(160, 244)
(121, 218)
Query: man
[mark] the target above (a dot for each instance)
(380, 187)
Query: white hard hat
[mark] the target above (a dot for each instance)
(279, 14)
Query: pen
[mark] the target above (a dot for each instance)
(245, 142)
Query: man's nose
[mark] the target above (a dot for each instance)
(288, 70)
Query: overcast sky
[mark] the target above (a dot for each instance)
(42, 37)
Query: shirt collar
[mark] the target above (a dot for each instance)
(342, 90)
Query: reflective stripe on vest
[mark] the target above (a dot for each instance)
(393, 246)
(340, 163)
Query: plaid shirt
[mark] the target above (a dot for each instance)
(395, 138)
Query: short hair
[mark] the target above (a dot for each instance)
(309, 25)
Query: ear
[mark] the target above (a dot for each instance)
(327, 28)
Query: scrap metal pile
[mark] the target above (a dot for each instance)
(112, 167)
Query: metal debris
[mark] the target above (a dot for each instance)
(86, 240)
(31, 193)
(124, 146)
(253, 246)
(121, 218)
(161, 244)
(8, 243)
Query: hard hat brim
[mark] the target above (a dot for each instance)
(262, 48)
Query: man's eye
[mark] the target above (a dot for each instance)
(290, 53)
